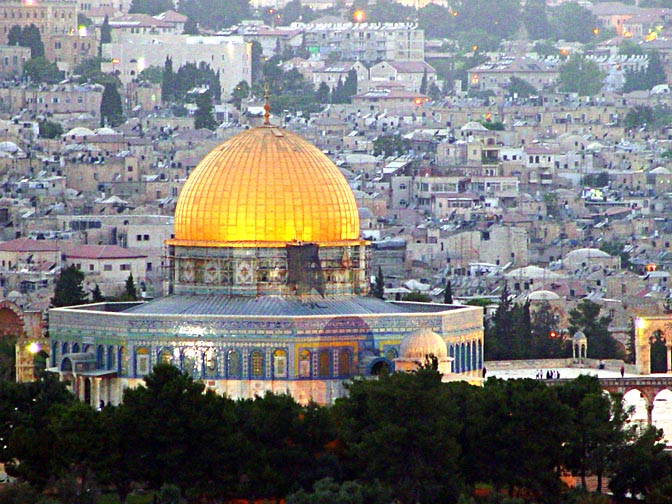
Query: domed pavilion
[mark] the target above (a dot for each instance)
(267, 289)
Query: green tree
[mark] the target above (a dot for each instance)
(89, 71)
(520, 88)
(506, 440)
(183, 435)
(204, 117)
(420, 414)
(580, 75)
(640, 116)
(96, 295)
(417, 297)
(436, 21)
(323, 92)
(168, 81)
(535, 20)
(215, 14)
(31, 37)
(130, 291)
(42, 70)
(14, 36)
(390, 145)
(448, 293)
(77, 446)
(573, 22)
(596, 428)
(547, 342)
(153, 74)
(640, 464)
(328, 491)
(423, 82)
(191, 27)
(111, 111)
(28, 451)
(69, 290)
(50, 129)
(646, 79)
(151, 7)
(105, 31)
(379, 285)
(601, 344)
(615, 248)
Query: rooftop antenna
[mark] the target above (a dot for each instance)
(267, 106)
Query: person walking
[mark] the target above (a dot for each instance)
(622, 371)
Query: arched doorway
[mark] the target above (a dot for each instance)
(87, 391)
(380, 367)
(658, 351)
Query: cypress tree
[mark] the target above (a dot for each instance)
(448, 293)
(105, 31)
(111, 112)
(168, 82)
(379, 286)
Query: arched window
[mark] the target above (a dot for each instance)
(123, 369)
(233, 364)
(468, 356)
(75, 348)
(64, 349)
(345, 363)
(210, 363)
(480, 354)
(111, 361)
(304, 364)
(166, 356)
(463, 358)
(451, 352)
(324, 364)
(141, 361)
(474, 356)
(256, 364)
(100, 356)
(191, 362)
(280, 364)
(54, 353)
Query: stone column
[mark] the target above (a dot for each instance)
(95, 392)
(649, 413)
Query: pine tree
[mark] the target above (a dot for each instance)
(204, 117)
(111, 112)
(191, 27)
(423, 83)
(96, 295)
(69, 289)
(448, 293)
(130, 292)
(379, 286)
(31, 37)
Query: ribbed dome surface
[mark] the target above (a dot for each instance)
(264, 187)
(421, 343)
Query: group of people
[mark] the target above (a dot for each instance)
(551, 374)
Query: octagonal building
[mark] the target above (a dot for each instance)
(268, 289)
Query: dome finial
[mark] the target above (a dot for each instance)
(267, 106)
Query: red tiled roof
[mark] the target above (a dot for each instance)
(29, 245)
(100, 252)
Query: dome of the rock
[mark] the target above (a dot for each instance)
(265, 187)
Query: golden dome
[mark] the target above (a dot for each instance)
(265, 187)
